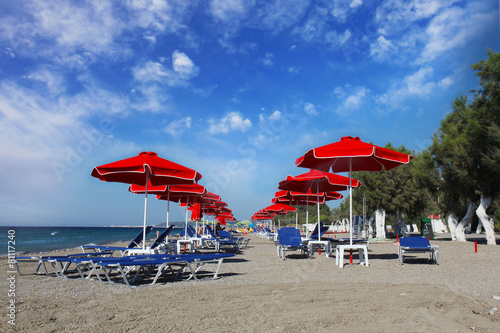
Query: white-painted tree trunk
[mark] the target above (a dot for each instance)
(371, 226)
(466, 220)
(479, 228)
(452, 224)
(400, 228)
(380, 223)
(486, 220)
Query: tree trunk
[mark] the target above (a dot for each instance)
(479, 228)
(466, 220)
(486, 220)
(380, 223)
(400, 228)
(371, 224)
(452, 225)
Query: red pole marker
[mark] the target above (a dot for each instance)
(319, 250)
(184, 247)
(350, 257)
(397, 238)
(475, 246)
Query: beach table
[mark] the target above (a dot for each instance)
(189, 243)
(340, 249)
(325, 244)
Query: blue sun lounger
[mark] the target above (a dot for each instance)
(43, 259)
(133, 244)
(219, 242)
(289, 240)
(143, 266)
(417, 245)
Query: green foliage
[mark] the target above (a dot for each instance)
(466, 148)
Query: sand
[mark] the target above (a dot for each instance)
(258, 292)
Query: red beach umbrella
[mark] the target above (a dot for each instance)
(187, 194)
(351, 154)
(144, 169)
(169, 192)
(146, 166)
(279, 208)
(308, 198)
(316, 181)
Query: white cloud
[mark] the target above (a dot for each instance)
(275, 16)
(420, 31)
(183, 65)
(310, 109)
(455, 27)
(177, 127)
(36, 129)
(182, 70)
(149, 98)
(421, 84)
(294, 69)
(356, 3)
(350, 98)
(446, 82)
(342, 9)
(268, 60)
(275, 116)
(53, 81)
(382, 48)
(79, 33)
(229, 10)
(393, 16)
(157, 15)
(233, 121)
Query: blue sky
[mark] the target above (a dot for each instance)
(236, 89)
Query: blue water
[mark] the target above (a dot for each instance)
(43, 239)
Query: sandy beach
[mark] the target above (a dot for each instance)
(258, 292)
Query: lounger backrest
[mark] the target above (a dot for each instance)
(315, 231)
(289, 236)
(210, 231)
(162, 237)
(414, 242)
(192, 231)
(138, 239)
(224, 234)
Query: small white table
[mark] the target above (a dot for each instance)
(319, 243)
(362, 249)
(189, 243)
(139, 251)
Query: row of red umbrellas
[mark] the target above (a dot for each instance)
(149, 174)
(347, 155)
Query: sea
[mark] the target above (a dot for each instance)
(45, 239)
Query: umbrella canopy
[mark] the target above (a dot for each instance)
(146, 166)
(316, 181)
(144, 169)
(301, 199)
(279, 208)
(307, 196)
(351, 154)
(169, 193)
(186, 194)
